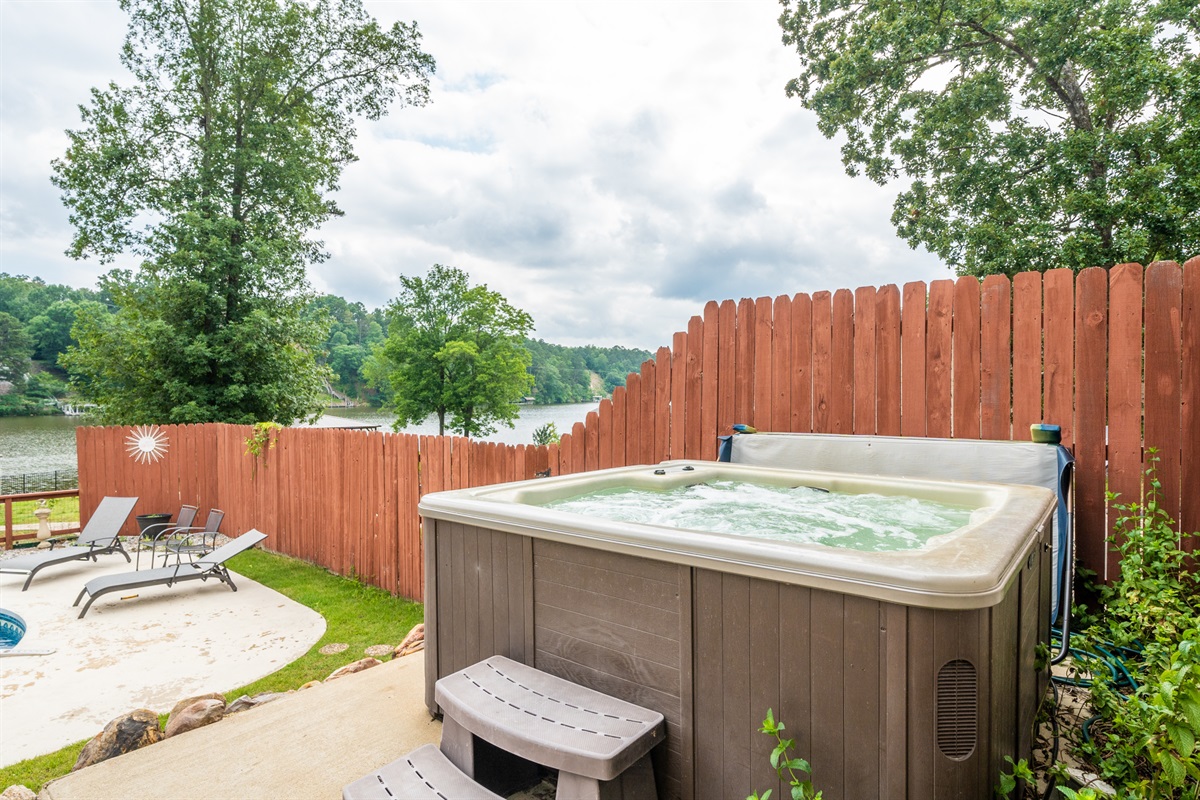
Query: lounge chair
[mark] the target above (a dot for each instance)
(99, 537)
(210, 566)
(191, 541)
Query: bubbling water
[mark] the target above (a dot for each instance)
(870, 522)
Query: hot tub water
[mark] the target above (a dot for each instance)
(868, 522)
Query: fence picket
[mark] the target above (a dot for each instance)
(995, 411)
(1164, 370)
(1091, 371)
(1124, 390)
(802, 394)
(841, 406)
(965, 424)
(938, 357)
(864, 360)
(1189, 439)
(887, 361)
(1027, 353)
(913, 411)
(822, 364)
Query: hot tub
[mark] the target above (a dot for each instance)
(901, 674)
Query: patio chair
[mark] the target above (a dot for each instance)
(210, 566)
(192, 541)
(156, 530)
(99, 537)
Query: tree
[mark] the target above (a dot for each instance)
(1036, 134)
(15, 349)
(455, 349)
(214, 167)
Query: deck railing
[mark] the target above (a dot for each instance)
(13, 536)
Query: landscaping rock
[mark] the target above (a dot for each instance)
(310, 684)
(187, 701)
(356, 666)
(18, 792)
(414, 642)
(244, 702)
(196, 715)
(123, 735)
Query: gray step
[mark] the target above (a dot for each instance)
(423, 774)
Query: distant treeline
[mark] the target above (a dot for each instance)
(36, 320)
(561, 374)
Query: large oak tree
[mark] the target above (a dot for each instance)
(215, 167)
(1036, 133)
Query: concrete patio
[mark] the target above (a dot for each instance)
(147, 651)
(306, 745)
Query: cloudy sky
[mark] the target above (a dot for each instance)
(608, 167)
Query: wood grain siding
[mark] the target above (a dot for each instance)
(855, 681)
(817, 659)
(484, 597)
(617, 624)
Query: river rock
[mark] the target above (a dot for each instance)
(244, 702)
(18, 792)
(196, 715)
(187, 701)
(414, 642)
(353, 667)
(123, 735)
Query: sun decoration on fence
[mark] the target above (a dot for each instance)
(146, 443)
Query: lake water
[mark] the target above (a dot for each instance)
(44, 444)
(37, 444)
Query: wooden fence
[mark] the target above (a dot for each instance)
(1112, 356)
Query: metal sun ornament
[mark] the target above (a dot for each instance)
(146, 443)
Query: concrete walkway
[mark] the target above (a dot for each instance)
(306, 745)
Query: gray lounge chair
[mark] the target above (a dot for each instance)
(211, 566)
(99, 537)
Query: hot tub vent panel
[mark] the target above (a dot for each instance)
(957, 703)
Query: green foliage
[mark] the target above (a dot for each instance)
(353, 333)
(546, 434)
(155, 361)
(1152, 601)
(15, 349)
(786, 766)
(1019, 774)
(454, 349)
(564, 374)
(1036, 133)
(1082, 794)
(1147, 741)
(1144, 740)
(214, 166)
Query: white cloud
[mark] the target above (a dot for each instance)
(607, 167)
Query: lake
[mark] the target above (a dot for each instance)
(45, 444)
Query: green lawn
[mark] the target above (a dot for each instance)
(355, 614)
(63, 509)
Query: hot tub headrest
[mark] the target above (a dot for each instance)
(1023, 463)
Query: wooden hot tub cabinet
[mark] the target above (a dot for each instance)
(885, 699)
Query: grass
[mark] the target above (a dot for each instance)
(355, 614)
(65, 509)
